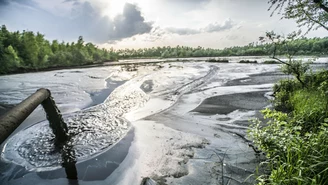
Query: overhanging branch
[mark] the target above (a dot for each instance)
(322, 6)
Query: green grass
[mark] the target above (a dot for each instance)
(295, 139)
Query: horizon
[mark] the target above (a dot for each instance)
(258, 43)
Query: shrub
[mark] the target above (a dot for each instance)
(282, 91)
(271, 62)
(310, 108)
(217, 60)
(295, 139)
(292, 157)
(248, 62)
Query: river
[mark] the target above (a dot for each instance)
(178, 122)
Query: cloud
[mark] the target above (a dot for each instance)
(183, 31)
(189, 1)
(156, 34)
(88, 22)
(4, 2)
(213, 27)
(130, 23)
(84, 20)
(216, 27)
(30, 3)
(102, 29)
(67, 1)
(185, 5)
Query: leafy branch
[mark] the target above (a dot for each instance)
(296, 68)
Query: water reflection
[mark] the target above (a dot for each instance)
(97, 168)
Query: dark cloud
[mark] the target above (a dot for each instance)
(215, 27)
(102, 29)
(85, 20)
(30, 3)
(128, 24)
(73, 2)
(4, 2)
(88, 22)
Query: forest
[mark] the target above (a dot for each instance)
(28, 51)
(303, 46)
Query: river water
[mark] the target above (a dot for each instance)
(176, 122)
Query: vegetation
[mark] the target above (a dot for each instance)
(26, 51)
(271, 62)
(303, 46)
(29, 51)
(217, 60)
(295, 137)
(248, 62)
(309, 13)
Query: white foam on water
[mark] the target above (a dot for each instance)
(92, 131)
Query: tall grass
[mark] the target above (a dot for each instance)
(295, 139)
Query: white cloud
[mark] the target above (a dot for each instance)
(212, 27)
(85, 20)
(208, 23)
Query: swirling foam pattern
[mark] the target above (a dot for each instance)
(92, 131)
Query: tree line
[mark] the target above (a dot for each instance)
(23, 51)
(303, 46)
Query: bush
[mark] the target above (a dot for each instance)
(248, 62)
(217, 60)
(310, 108)
(271, 62)
(292, 157)
(282, 92)
(295, 141)
(285, 88)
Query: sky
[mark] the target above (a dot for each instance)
(147, 23)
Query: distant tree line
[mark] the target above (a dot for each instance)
(23, 51)
(304, 46)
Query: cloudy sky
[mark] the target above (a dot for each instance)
(147, 23)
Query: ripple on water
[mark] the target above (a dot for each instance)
(91, 131)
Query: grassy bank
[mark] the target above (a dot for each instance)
(295, 139)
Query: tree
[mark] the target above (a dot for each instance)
(30, 49)
(33, 51)
(290, 66)
(54, 46)
(9, 60)
(309, 13)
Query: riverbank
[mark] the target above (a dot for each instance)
(177, 145)
(191, 130)
(143, 61)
